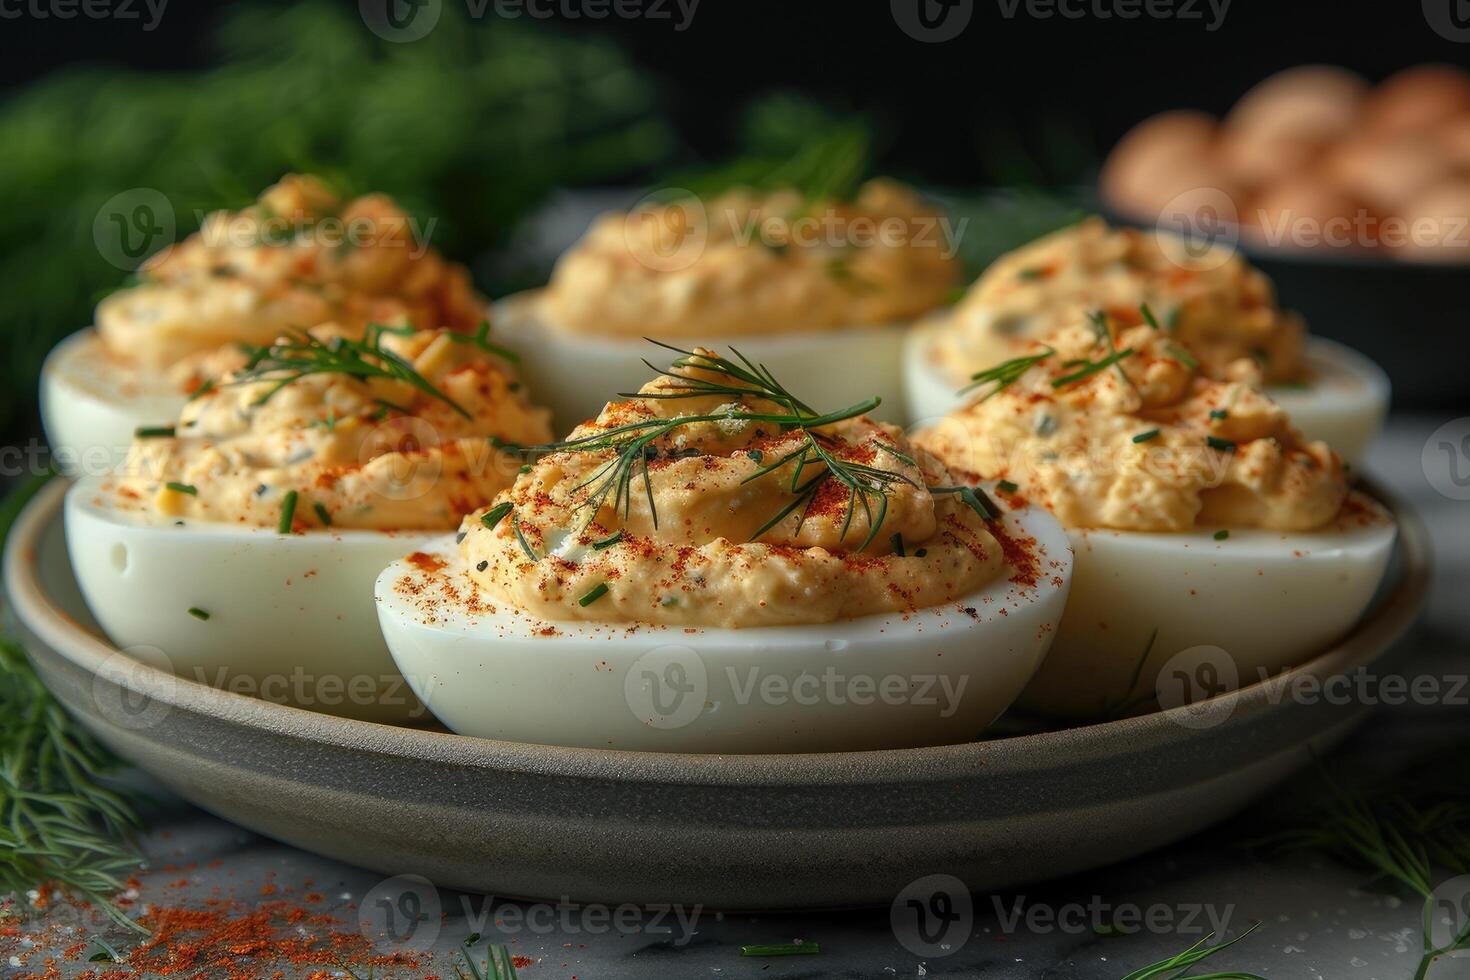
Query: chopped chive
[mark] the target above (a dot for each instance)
(897, 542)
(1224, 445)
(1221, 535)
(321, 513)
(203, 389)
(288, 512)
(1036, 273)
(598, 591)
(188, 488)
(198, 613)
(495, 515)
(524, 469)
(515, 525)
(755, 455)
(1219, 413)
(1093, 367)
(1146, 436)
(154, 432)
(1005, 374)
(977, 500)
(607, 542)
(1006, 486)
(1148, 316)
(1046, 425)
(1172, 322)
(784, 949)
(1183, 356)
(921, 552)
(668, 601)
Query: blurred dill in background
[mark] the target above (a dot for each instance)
(470, 128)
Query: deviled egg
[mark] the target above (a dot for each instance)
(1210, 301)
(713, 566)
(242, 541)
(818, 286)
(1198, 515)
(299, 257)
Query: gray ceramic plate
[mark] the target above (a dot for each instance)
(734, 832)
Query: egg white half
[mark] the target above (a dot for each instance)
(1257, 601)
(290, 616)
(576, 375)
(91, 404)
(1344, 405)
(933, 676)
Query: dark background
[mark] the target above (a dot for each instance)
(480, 123)
(951, 112)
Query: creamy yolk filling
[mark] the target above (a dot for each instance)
(692, 543)
(1140, 441)
(334, 450)
(747, 263)
(1213, 302)
(299, 257)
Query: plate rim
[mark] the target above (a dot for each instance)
(1383, 624)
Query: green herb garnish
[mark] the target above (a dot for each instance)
(187, 488)
(1006, 486)
(288, 512)
(1221, 535)
(198, 613)
(321, 513)
(203, 389)
(62, 824)
(1175, 967)
(1006, 374)
(896, 541)
(481, 339)
(1183, 357)
(515, 525)
(597, 592)
(1224, 445)
(607, 542)
(1090, 368)
(496, 514)
(633, 444)
(977, 500)
(783, 949)
(1219, 413)
(154, 432)
(304, 355)
(1146, 436)
(1148, 316)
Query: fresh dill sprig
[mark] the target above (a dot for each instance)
(499, 964)
(59, 824)
(1006, 374)
(1175, 967)
(811, 464)
(303, 355)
